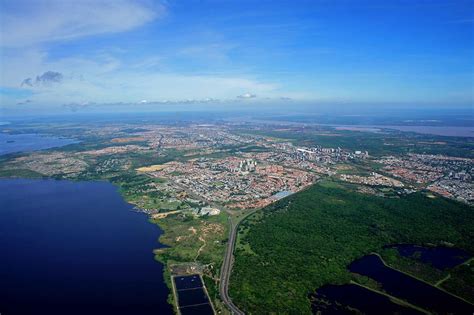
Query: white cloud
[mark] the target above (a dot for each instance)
(100, 76)
(25, 23)
(247, 95)
(131, 86)
(16, 67)
(105, 79)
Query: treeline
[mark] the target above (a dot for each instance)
(307, 240)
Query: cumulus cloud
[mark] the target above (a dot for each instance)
(49, 77)
(103, 77)
(27, 22)
(27, 82)
(46, 78)
(135, 88)
(247, 96)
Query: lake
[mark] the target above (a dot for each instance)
(13, 143)
(355, 296)
(439, 257)
(76, 248)
(408, 288)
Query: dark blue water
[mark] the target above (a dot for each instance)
(192, 298)
(187, 282)
(439, 257)
(30, 142)
(76, 248)
(355, 296)
(203, 309)
(409, 288)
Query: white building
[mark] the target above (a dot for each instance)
(209, 211)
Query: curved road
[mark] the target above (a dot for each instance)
(226, 270)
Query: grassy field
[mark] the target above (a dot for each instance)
(189, 238)
(289, 249)
(201, 240)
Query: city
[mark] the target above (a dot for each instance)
(236, 157)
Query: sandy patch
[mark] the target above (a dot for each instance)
(151, 168)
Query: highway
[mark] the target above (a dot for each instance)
(228, 260)
(227, 268)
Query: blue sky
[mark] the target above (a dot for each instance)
(93, 53)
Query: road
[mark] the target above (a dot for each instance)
(228, 259)
(227, 268)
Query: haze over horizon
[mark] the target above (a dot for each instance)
(131, 56)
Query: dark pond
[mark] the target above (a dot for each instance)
(408, 288)
(355, 296)
(203, 309)
(188, 282)
(192, 297)
(30, 142)
(439, 257)
(76, 248)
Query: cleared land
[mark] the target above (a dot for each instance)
(151, 168)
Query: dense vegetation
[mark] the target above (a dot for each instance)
(461, 281)
(287, 250)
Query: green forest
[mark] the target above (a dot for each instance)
(290, 248)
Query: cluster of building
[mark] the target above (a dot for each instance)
(51, 164)
(447, 176)
(245, 178)
(454, 189)
(242, 178)
(191, 137)
(411, 168)
(233, 181)
(218, 166)
(328, 155)
(374, 179)
(316, 159)
(120, 149)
